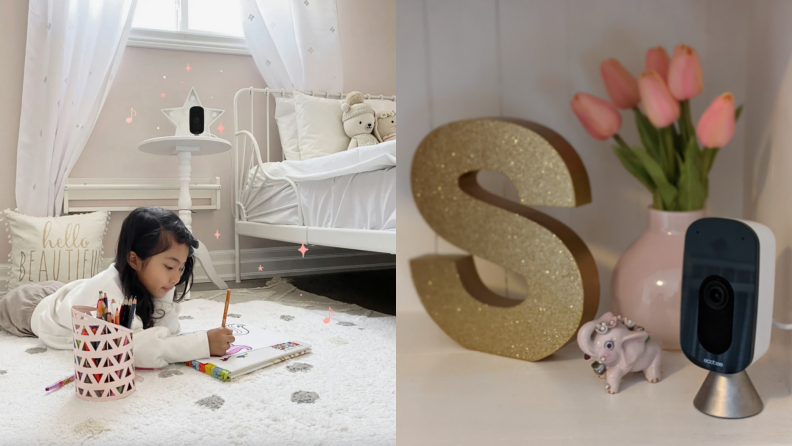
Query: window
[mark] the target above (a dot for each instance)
(189, 25)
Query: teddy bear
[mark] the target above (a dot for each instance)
(385, 129)
(359, 120)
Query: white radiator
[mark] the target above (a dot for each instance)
(126, 194)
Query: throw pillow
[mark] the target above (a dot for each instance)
(63, 248)
(319, 126)
(381, 105)
(286, 120)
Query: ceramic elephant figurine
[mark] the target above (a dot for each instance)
(621, 347)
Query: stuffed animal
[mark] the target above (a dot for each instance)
(359, 120)
(385, 130)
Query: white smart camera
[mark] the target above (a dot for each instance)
(728, 279)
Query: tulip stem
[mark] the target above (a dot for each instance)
(621, 141)
(685, 124)
(670, 152)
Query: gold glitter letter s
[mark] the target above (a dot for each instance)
(563, 285)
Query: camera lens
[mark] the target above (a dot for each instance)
(716, 292)
(716, 296)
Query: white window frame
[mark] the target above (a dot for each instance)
(186, 40)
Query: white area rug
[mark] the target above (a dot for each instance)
(344, 393)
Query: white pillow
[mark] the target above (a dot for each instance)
(319, 126)
(286, 119)
(63, 248)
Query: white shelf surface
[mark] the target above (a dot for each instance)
(448, 395)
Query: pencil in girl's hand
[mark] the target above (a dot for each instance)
(225, 312)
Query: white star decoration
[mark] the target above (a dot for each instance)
(180, 116)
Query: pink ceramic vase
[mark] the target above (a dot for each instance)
(646, 283)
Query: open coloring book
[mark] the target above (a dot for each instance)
(253, 349)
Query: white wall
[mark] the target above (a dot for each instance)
(767, 159)
(460, 59)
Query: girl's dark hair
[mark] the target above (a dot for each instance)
(148, 232)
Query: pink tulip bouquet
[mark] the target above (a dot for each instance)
(670, 163)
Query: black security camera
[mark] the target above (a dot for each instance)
(196, 120)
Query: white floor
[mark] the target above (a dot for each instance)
(448, 395)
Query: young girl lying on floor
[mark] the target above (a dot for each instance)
(154, 256)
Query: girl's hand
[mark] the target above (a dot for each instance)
(220, 340)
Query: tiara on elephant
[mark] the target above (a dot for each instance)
(603, 326)
(629, 324)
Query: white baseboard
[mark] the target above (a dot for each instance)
(277, 261)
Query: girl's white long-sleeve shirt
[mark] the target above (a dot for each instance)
(154, 347)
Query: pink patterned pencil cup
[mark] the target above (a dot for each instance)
(104, 365)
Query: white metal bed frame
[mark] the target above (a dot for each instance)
(365, 240)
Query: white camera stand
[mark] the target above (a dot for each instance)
(185, 146)
(728, 396)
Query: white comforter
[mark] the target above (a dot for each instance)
(359, 160)
(353, 189)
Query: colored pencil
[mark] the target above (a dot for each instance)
(124, 312)
(59, 384)
(132, 312)
(225, 312)
(111, 312)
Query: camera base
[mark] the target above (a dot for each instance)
(728, 396)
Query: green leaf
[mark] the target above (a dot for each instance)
(692, 193)
(666, 190)
(669, 164)
(657, 202)
(737, 113)
(708, 159)
(634, 166)
(649, 134)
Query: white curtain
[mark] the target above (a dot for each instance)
(295, 43)
(73, 50)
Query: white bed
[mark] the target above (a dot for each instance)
(344, 200)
